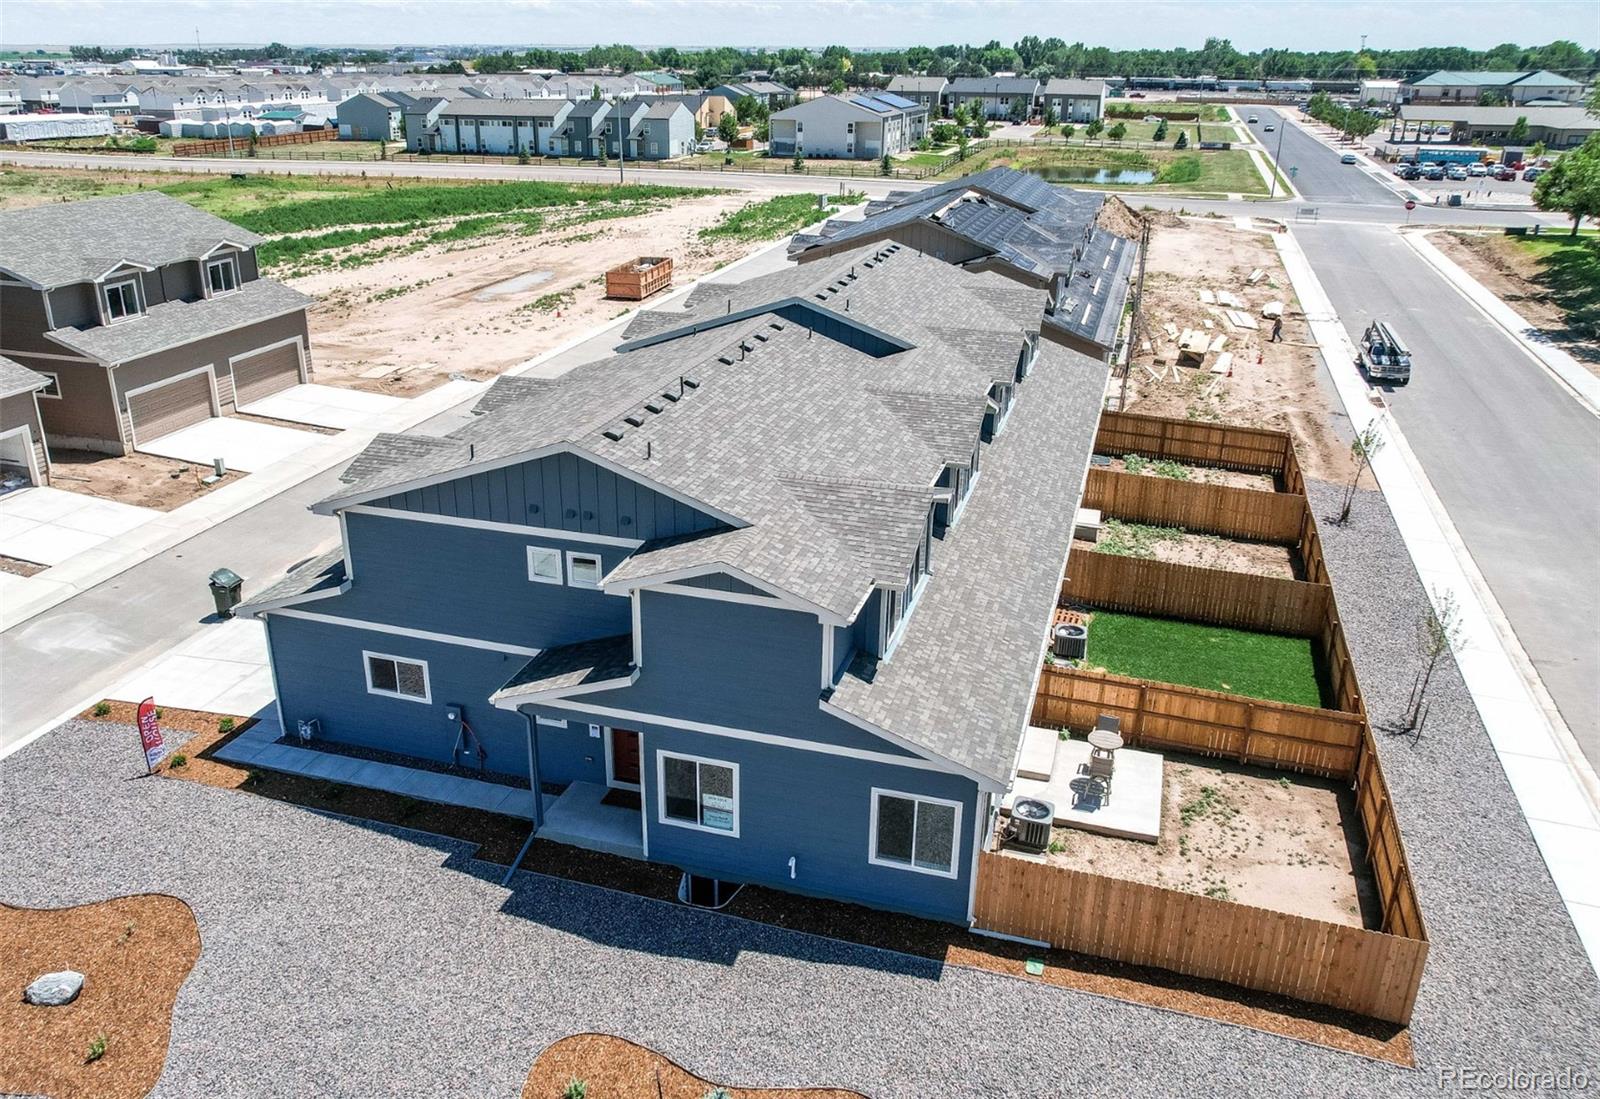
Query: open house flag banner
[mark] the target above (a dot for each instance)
(150, 733)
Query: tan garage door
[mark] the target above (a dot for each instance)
(263, 374)
(165, 409)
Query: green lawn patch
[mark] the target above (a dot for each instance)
(1569, 268)
(1258, 665)
(1225, 172)
(775, 217)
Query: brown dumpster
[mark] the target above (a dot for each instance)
(637, 279)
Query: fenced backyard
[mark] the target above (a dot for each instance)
(240, 146)
(1373, 971)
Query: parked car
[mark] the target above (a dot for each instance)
(1455, 172)
(1269, 128)
(1349, 158)
(1408, 171)
(1254, 119)
(703, 146)
(1477, 171)
(1135, 95)
(1433, 172)
(1532, 174)
(1504, 174)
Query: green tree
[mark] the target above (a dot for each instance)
(728, 127)
(1519, 129)
(1118, 132)
(1363, 449)
(1366, 67)
(837, 86)
(799, 164)
(1161, 130)
(1067, 130)
(1094, 129)
(1573, 185)
(963, 143)
(1050, 118)
(886, 166)
(1183, 140)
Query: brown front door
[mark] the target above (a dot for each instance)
(624, 769)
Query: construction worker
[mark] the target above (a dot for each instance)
(1277, 330)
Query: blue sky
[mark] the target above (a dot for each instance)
(1308, 26)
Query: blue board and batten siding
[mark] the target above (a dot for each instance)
(561, 491)
(471, 582)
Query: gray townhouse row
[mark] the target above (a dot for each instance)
(1075, 101)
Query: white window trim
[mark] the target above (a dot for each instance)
(427, 679)
(955, 836)
(611, 768)
(138, 296)
(55, 378)
(694, 825)
(230, 260)
(572, 582)
(558, 578)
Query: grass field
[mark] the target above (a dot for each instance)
(775, 217)
(1569, 268)
(1186, 172)
(1282, 669)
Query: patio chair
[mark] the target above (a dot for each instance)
(1108, 723)
(1099, 769)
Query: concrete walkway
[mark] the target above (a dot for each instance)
(1554, 784)
(257, 747)
(1584, 385)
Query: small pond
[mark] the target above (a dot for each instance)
(1066, 173)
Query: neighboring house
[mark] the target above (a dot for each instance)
(418, 121)
(502, 127)
(98, 97)
(661, 83)
(706, 108)
(1557, 127)
(24, 457)
(619, 126)
(1074, 101)
(371, 117)
(1384, 93)
(772, 95)
(666, 130)
(1013, 224)
(746, 569)
(147, 314)
(926, 90)
(1513, 87)
(994, 94)
(858, 127)
(579, 134)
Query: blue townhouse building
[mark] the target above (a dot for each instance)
(762, 596)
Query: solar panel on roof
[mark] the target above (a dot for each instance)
(894, 100)
(870, 104)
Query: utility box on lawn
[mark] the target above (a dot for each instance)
(638, 279)
(226, 588)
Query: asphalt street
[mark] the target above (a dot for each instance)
(1511, 453)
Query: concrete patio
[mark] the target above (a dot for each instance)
(1055, 770)
(578, 819)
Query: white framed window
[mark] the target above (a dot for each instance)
(123, 300)
(397, 677)
(544, 565)
(914, 832)
(222, 275)
(52, 388)
(698, 793)
(583, 569)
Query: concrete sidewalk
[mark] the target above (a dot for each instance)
(1554, 784)
(1582, 383)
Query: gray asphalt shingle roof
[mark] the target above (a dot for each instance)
(66, 242)
(175, 323)
(16, 378)
(320, 574)
(577, 665)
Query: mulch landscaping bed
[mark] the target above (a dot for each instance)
(134, 953)
(499, 838)
(615, 1068)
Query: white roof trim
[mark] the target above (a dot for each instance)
(512, 701)
(119, 265)
(792, 601)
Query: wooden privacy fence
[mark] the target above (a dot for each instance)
(1368, 972)
(240, 146)
(1253, 450)
(1248, 513)
(1209, 723)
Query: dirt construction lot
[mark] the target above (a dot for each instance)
(405, 322)
(1188, 255)
(1243, 834)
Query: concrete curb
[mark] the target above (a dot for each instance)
(1583, 385)
(1553, 781)
(101, 563)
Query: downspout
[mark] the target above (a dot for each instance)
(538, 796)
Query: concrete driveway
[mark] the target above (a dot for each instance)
(221, 670)
(48, 525)
(243, 444)
(322, 405)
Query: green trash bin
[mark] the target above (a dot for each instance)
(226, 588)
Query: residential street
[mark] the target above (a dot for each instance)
(1512, 454)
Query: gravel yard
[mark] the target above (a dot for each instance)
(342, 958)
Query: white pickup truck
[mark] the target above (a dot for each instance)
(1383, 356)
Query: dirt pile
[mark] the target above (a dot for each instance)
(1118, 217)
